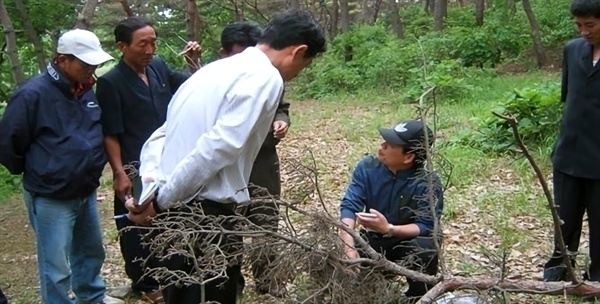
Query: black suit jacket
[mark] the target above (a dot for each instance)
(577, 150)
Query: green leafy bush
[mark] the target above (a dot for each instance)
(537, 110)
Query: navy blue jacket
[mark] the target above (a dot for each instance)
(400, 197)
(53, 137)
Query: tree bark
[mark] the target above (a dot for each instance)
(540, 54)
(429, 6)
(192, 20)
(335, 16)
(513, 286)
(438, 15)
(376, 10)
(34, 38)
(127, 8)
(344, 15)
(365, 12)
(11, 45)
(84, 18)
(395, 21)
(479, 12)
(512, 8)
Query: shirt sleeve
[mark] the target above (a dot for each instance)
(17, 129)
(355, 198)
(247, 100)
(423, 216)
(151, 153)
(110, 104)
(283, 111)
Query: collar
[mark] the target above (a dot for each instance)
(60, 80)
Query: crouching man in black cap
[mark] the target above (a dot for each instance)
(388, 198)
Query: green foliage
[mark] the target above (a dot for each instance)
(538, 112)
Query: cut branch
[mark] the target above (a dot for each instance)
(555, 218)
(587, 289)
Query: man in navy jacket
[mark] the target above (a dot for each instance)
(51, 133)
(388, 197)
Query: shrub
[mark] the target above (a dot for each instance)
(537, 110)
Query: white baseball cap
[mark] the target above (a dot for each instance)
(83, 45)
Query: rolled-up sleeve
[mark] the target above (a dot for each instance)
(356, 194)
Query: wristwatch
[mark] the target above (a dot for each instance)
(389, 231)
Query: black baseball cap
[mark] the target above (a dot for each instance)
(408, 133)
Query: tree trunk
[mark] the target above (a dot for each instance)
(34, 38)
(395, 21)
(344, 15)
(376, 10)
(11, 45)
(127, 8)
(192, 20)
(429, 6)
(438, 15)
(538, 47)
(295, 4)
(84, 18)
(238, 11)
(479, 10)
(335, 16)
(512, 8)
(365, 12)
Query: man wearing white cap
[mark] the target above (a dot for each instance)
(51, 133)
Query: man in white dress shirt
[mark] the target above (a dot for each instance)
(216, 123)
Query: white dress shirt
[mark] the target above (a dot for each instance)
(216, 123)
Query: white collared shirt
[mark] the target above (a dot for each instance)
(216, 123)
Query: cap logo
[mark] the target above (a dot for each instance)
(401, 128)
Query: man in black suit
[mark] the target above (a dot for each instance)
(134, 96)
(576, 156)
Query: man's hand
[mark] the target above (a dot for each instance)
(192, 52)
(122, 185)
(377, 223)
(351, 253)
(141, 215)
(280, 129)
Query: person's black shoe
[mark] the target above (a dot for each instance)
(555, 274)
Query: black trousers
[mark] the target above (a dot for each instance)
(574, 196)
(132, 249)
(3, 299)
(265, 174)
(222, 290)
(418, 254)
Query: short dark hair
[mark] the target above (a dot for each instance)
(295, 27)
(126, 27)
(244, 34)
(585, 8)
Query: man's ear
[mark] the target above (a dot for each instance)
(223, 53)
(409, 157)
(122, 46)
(299, 51)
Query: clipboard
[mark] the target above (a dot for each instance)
(142, 192)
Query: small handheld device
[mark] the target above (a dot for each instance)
(366, 214)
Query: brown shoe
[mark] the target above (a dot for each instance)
(153, 297)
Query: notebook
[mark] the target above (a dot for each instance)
(142, 192)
